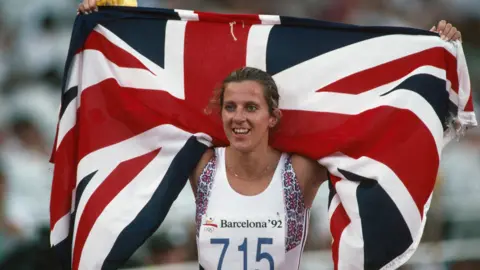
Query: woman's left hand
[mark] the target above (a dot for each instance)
(447, 31)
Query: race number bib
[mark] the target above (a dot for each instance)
(240, 244)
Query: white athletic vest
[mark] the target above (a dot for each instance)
(266, 231)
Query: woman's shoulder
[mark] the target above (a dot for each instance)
(305, 166)
(209, 154)
(301, 161)
(308, 166)
(204, 159)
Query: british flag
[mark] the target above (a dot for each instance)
(371, 104)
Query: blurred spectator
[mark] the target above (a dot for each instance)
(5, 43)
(8, 231)
(459, 191)
(29, 176)
(31, 255)
(40, 102)
(41, 46)
(165, 248)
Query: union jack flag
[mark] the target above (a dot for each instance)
(369, 103)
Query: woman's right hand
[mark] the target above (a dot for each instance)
(87, 7)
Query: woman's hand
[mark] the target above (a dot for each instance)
(87, 7)
(447, 31)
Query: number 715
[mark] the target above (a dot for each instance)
(243, 248)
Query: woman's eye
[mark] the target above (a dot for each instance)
(251, 108)
(229, 108)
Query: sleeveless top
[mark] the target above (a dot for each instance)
(264, 231)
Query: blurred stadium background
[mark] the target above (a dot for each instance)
(34, 38)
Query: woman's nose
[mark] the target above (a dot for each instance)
(239, 116)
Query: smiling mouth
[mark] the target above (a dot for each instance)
(241, 131)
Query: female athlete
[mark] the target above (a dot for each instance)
(252, 200)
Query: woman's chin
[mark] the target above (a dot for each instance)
(241, 146)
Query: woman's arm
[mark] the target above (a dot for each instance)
(310, 176)
(199, 169)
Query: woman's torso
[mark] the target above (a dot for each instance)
(250, 232)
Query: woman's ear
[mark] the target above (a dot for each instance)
(272, 122)
(277, 115)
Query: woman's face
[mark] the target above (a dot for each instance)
(245, 115)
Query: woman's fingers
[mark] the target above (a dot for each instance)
(441, 25)
(457, 36)
(451, 33)
(445, 31)
(93, 5)
(81, 8)
(88, 6)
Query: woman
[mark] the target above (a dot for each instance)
(249, 195)
(252, 200)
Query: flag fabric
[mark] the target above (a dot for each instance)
(371, 104)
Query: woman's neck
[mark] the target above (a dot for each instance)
(253, 164)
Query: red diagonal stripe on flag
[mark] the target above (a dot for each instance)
(103, 195)
(112, 52)
(391, 71)
(114, 112)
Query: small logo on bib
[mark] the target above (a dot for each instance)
(210, 225)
